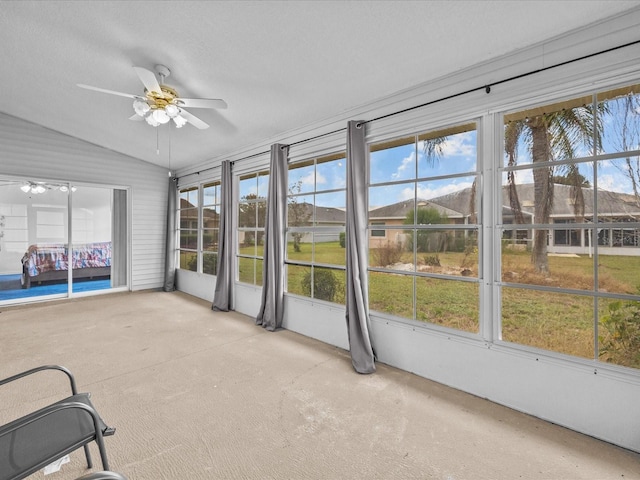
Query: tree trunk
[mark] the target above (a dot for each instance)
(543, 193)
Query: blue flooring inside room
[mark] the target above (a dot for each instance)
(11, 289)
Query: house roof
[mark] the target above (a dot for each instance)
(324, 215)
(399, 210)
(610, 204)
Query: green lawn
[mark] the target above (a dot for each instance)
(559, 322)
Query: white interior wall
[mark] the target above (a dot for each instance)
(33, 152)
(587, 396)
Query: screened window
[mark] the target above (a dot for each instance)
(423, 224)
(188, 229)
(316, 227)
(567, 237)
(574, 289)
(199, 220)
(377, 233)
(252, 209)
(210, 227)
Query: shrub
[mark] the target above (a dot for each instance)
(620, 342)
(428, 240)
(325, 284)
(470, 254)
(209, 263)
(387, 254)
(343, 239)
(432, 260)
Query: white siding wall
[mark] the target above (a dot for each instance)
(33, 152)
(590, 397)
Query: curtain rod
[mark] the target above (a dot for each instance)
(486, 88)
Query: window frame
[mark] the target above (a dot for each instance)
(314, 229)
(401, 139)
(599, 231)
(257, 231)
(203, 253)
(185, 250)
(199, 250)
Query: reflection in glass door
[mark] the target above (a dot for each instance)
(98, 228)
(35, 234)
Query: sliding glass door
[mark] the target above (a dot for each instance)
(59, 239)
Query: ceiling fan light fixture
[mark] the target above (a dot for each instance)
(151, 121)
(160, 116)
(179, 121)
(161, 103)
(141, 107)
(25, 188)
(172, 110)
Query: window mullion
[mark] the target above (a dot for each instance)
(489, 186)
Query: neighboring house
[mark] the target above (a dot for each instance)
(395, 215)
(189, 216)
(302, 215)
(613, 208)
(189, 223)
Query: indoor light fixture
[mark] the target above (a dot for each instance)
(32, 187)
(160, 112)
(159, 104)
(158, 108)
(39, 187)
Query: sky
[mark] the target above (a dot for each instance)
(459, 154)
(457, 161)
(612, 173)
(408, 162)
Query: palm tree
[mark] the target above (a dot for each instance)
(550, 137)
(627, 129)
(433, 149)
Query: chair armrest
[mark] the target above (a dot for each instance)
(102, 476)
(72, 380)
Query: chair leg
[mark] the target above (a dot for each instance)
(103, 451)
(88, 455)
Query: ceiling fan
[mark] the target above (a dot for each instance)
(160, 103)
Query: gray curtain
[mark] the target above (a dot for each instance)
(119, 239)
(271, 309)
(170, 253)
(357, 312)
(224, 278)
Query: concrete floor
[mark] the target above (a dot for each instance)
(197, 394)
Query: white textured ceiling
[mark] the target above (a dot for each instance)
(278, 64)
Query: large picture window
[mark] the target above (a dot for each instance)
(210, 227)
(423, 228)
(573, 290)
(188, 230)
(252, 209)
(199, 214)
(316, 227)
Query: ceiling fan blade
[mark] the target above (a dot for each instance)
(193, 120)
(202, 102)
(149, 80)
(104, 90)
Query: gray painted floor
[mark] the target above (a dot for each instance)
(196, 394)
